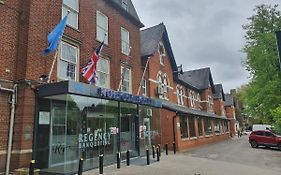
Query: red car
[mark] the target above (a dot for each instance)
(264, 138)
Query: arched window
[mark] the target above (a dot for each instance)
(161, 51)
(180, 95)
(165, 87)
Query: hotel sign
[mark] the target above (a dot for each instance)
(121, 96)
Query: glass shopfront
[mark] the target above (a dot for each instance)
(72, 126)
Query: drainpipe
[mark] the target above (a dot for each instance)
(11, 129)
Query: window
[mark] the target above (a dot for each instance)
(208, 127)
(268, 134)
(67, 64)
(217, 127)
(161, 51)
(73, 7)
(102, 27)
(210, 103)
(226, 126)
(143, 87)
(165, 88)
(200, 129)
(103, 73)
(125, 4)
(192, 98)
(183, 127)
(126, 83)
(160, 87)
(125, 41)
(191, 125)
(180, 95)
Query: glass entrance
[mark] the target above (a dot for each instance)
(129, 129)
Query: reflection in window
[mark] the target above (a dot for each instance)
(183, 127)
(191, 125)
(200, 128)
(103, 73)
(73, 7)
(102, 27)
(68, 62)
(207, 126)
(126, 79)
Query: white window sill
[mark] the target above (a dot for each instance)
(184, 139)
(201, 137)
(218, 134)
(193, 138)
(211, 135)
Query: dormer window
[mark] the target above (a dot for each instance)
(161, 51)
(125, 4)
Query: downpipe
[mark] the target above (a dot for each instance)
(11, 128)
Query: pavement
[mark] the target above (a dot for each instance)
(225, 158)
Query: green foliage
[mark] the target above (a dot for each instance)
(262, 95)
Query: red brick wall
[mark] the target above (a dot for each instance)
(24, 37)
(218, 105)
(230, 114)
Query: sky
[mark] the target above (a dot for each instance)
(205, 33)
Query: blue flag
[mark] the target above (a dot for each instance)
(55, 36)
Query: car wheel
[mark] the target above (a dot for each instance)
(254, 144)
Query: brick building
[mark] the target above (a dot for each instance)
(230, 113)
(56, 123)
(52, 111)
(187, 112)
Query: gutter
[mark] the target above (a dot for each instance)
(11, 128)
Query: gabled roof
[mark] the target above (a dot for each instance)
(219, 92)
(150, 39)
(228, 100)
(199, 78)
(131, 12)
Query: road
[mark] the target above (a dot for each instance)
(232, 157)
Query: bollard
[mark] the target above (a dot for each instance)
(153, 151)
(101, 163)
(128, 158)
(166, 148)
(80, 167)
(31, 167)
(159, 150)
(118, 159)
(157, 154)
(147, 157)
(174, 147)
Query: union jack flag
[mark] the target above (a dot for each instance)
(89, 71)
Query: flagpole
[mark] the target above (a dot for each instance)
(143, 75)
(53, 65)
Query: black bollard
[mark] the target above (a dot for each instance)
(80, 167)
(128, 158)
(153, 151)
(159, 146)
(174, 147)
(157, 154)
(166, 148)
(118, 159)
(31, 167)
(147, 157)
(101, 163)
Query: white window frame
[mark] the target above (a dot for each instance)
(144, 87)
(130, 79)
(210, 103)
(61, 59)
(73, 11)
(161, 55)
(180, 95)
(125, 45)
(101, 71)
(104, 36)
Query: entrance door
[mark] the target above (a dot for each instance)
(128, 133)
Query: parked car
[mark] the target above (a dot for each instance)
(256, 127)
(264, 138)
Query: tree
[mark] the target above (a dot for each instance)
(262, 96)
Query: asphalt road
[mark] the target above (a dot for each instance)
(239, 151)
(232, 157)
